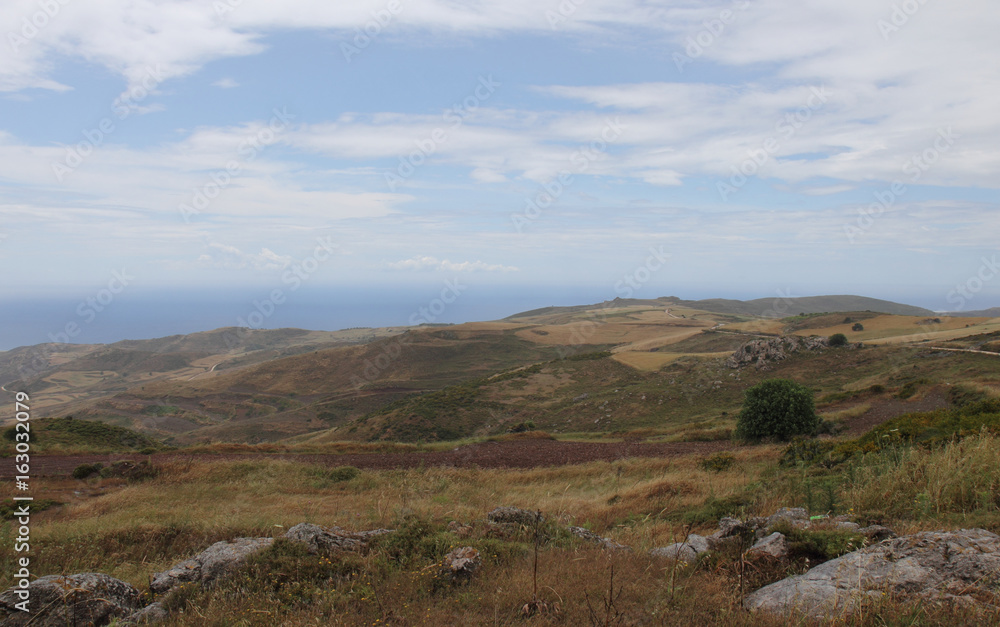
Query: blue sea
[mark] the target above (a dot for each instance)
(137, 314)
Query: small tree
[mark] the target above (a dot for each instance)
(858, 327)
(777, 408)
(838, 339)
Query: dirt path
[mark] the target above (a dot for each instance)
(964, 350)
(513, 454)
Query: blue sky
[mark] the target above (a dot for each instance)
(221, 145)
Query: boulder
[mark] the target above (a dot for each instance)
(604, 543)
(461, 564)
(687, 551)
(774, 545)
(211, 564)
(323, 539)
(514, 515)
(928, 565)
(58, 601)
(152, 613)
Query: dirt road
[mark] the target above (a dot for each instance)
(512, 454)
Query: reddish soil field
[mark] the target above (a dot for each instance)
(513, 454)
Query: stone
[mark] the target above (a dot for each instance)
(604, 543)
(152, 613)
(461, 564)
(323, 539)
(928, 565)
(774, 545)
(514, 515)
(58, 601)
(211, 564)
(687, 551)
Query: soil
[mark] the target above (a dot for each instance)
(512, 454)
(885, 409)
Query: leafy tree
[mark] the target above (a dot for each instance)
(838, 339)
(777, 408)
(858, 327)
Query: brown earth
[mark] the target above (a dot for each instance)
(885, 409)
(512, 454)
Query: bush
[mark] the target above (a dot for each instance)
(343, 473)
(718, 462)
(85, 470)
(838, 339)
(858, 327)
(777, 408)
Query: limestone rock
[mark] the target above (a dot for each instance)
(514, 515)
(83, 599)
(209, 565)
(151, 614)
(322, 539)
(461, 563)
(931, 565)
(687, 551)
(774, 545)
(605, 543)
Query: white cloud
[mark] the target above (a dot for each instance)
(424, 262)
(225, 83)
(225, 256)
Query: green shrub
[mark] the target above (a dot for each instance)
(85, 470)
(343, 473)
(777, 408)
(838, 339)
(718, 462)
(858, 327)
(818, 545)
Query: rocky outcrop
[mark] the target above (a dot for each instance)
(951, 566)
(604, 543)
(761, 353)
(209, 565)
(84, 599)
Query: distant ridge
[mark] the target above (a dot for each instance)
(993, 312)
(770, 307)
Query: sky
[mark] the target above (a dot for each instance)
(737, 148)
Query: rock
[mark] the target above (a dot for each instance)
(796, 516)
(774, 545)
(209, 565)
(604, 543)
(877, 533)
(459, 529)
(928, 564)
(846, 526)
(58, 601)
(323, 539)
(152, 613)
(461, 564)
(687, 551)
(760, 353)
(514, 515)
